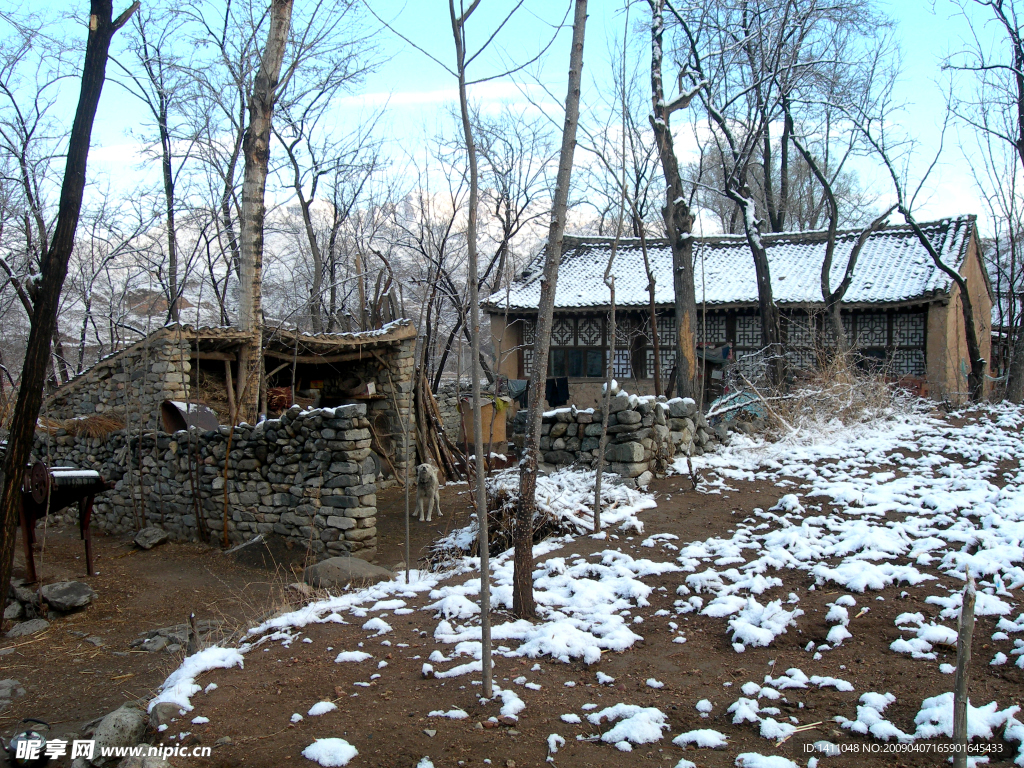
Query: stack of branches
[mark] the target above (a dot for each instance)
(98, 425)
(501, 512)
(432, 444)
(210, 390)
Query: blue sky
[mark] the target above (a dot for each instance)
(418, 91)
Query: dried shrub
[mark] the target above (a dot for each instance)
(501, 510)
(98, 425)
(839, 389)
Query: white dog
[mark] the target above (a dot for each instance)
(427, 493)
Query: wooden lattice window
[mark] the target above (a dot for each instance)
(711, 329)
(749, 365)
(528, 361)
(529, 331)
(909, 330)
(748, 331)
(666, 328)
(800, 331)
(908, 362)
(590, 332)
(801, 358)
(624, 330)
(667, 353)
(563, 332)
(623, 366)
(872, 330)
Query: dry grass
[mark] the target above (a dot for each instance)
(840, 390)
(99, 425)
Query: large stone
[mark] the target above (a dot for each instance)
(14, 611)
(68, 595)
(341, 571)
(151, 536)
(558, 429)
(28, 628)
(625, 452)
(628, 470)
(163, 713)
(124, 727)
(9, 690)
(645, 479)
(559, 457)
(630, 417)
(682, 408)
(618, 403)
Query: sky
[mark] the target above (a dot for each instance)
(416, 93)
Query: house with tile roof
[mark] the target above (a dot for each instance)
(901, 311)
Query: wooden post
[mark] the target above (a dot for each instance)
(965, 632)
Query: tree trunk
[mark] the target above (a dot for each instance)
(771, 330)
(1015, 376)
(172, 240)
(523, 604)
(256, 149)
(54, 268)
(459, 32)
(678, 219)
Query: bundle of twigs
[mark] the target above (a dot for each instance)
(98, 425)
(432, 444)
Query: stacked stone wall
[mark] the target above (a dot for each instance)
(644, 434)
(307, 476)
(130, 385)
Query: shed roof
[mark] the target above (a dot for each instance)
(893, 267)
(277, 342)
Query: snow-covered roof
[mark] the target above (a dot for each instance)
(893, 268)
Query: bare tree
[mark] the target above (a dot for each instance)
(676, 213)
(993, 107)
(256, 150)
(159, 82)
(894, 156)
(47, 289)
(522, 581)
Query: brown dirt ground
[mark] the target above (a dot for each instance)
(70, 682)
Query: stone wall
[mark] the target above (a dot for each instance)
(393, 406)
(131, 384)
(307, 476)
(644, 434)
(447, 397)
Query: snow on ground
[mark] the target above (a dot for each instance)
(891, 502)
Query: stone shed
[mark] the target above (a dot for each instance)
(334, 408)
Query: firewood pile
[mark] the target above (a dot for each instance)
(432, 444)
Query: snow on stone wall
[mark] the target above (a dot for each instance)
(644, 434)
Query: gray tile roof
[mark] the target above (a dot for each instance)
(893, 268)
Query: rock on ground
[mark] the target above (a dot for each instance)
(28, 628)
(340, 571)
(163, 712)
(9, 690)
(124, 727)
(151, 536)
(68, 595)
(144, 762)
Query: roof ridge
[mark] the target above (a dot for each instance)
(806, 235)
